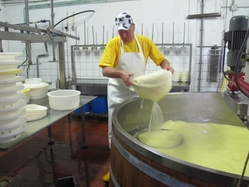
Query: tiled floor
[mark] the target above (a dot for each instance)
(34, 163)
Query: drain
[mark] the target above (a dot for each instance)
(5, 180)
(66, 182)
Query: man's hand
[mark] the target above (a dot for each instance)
(113, 73)
(126, 76)
(166, 65)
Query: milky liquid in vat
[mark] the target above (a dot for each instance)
(161, 138)
(156, 117)
(217, 146)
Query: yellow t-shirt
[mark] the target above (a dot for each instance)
(111, 53)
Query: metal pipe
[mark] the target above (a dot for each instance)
(21, 2)
(62, 65)
(173, 34)
(73, 23)
(201, 43)
(199, 16)
(237, 6)
(73, 63)
(103, 39)
(142, 30)
(39, 56)
(84, 47)
(93, 46)
(1, 46)
(52, 14)
(27, 12)
(184, 33)
(152, 32)
(28, 44)
(157, 44)
(52, 26)
(34, 22)
(112, 31)
(162, 34)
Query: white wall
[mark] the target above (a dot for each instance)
(145, 13)
(1, 11)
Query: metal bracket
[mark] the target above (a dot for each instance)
(237, 103)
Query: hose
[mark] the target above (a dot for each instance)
(223, 61)
(73, 15)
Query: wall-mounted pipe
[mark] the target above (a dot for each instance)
(199, 16)
(70, 3)
(1, 46)
(28, 44)
(236, 7)
(201, 48)
(52, 26)
(73, 24)
(21, 2)
(39, 56)
(35, 22)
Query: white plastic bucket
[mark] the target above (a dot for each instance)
(64, 99)
(38, 89)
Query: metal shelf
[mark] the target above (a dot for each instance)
(102, 82)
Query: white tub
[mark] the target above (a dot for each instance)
(38, 89)
(64, 99)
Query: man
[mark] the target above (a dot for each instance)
(124, 58)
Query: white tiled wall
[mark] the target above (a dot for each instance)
(148, 16)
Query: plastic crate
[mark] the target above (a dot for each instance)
(99, 105)
(86, 108)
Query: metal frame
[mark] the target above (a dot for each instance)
(35, 35)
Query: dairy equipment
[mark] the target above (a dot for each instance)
(142, 165)
(238, 61)
(237, 56)
(235, 37)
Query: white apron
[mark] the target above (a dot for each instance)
(118, 92)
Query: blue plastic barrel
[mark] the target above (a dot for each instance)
(99, 105)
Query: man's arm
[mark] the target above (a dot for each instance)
(113, 73)
(166, 65)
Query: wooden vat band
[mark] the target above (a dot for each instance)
(145, 168)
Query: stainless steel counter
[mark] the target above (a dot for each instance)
(52, 116)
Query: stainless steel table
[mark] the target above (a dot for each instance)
(52, 116)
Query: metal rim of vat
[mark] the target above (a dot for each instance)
(189, 169)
